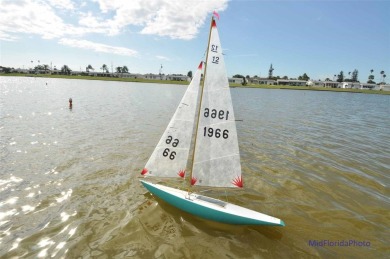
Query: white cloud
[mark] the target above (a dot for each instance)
(163, 58)
(62, 4)
(93, 24)
(51, 19)
(5, 36)
(31, 18)
(98, 47)
(176, 19)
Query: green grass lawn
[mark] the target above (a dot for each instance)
(141, 80)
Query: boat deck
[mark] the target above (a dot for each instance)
(211, 200)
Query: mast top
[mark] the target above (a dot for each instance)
(213, 23)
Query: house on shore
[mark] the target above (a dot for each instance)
(383, 87)
(236, 80)
(367, 86)
(291, 82)
(262, 81)
(357, 85)
(328, 84)
(349, 85)
(175, 77)
(154, 76)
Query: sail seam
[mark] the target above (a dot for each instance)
(216, 158)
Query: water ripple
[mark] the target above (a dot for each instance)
(69, 186)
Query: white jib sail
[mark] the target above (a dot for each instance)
(217, 157)
(169, 158)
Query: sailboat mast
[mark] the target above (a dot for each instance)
(200, 99)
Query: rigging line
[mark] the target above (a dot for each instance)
(204, 54)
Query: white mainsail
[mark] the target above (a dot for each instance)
(217, 157)
(169, 158)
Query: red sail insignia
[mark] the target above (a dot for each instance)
(193, 180)
(144, 171)
(182, 173)
(238, 182)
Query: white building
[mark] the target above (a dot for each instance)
(236, 80)
(367, 86)
(262, 81)
(382, 87)
(328, 84)
(291, 82)
(349, 85)
(178, 78)
(357, 85)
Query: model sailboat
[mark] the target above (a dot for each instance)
(216, 157)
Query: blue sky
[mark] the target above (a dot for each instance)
(320, 38)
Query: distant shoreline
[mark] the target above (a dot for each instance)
(141, 80)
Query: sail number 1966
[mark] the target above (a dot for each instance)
(210, 132)
(221, 114)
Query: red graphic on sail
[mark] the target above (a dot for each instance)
(238, 182)
(193, 180)
(182, 173)
(213, 24)
(144, 171)
(200, 65)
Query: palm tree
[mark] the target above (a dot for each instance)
(119, 70)
(104, 68)
(371, 77)
(89, 67)
(45, 67)
(65, 70)
(340, 77)
(382, 73)
(384, 76)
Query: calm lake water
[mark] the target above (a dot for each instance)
(69, 185)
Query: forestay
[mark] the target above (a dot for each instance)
(170, 157)
(217, 157)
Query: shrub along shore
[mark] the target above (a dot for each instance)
(141, 80)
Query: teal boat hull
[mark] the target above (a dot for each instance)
(209, 208)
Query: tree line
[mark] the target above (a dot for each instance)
(341, 77)
(354, 77)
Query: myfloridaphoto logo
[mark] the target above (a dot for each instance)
(346, 243)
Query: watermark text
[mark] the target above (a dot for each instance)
(341, 243)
